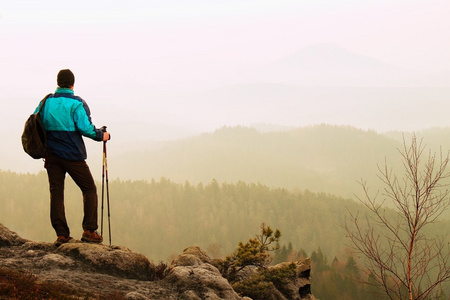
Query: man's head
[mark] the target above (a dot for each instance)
(65, 78)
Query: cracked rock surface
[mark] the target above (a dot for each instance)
(97, 270)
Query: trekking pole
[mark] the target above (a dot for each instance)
(105, 172)
(103, 129)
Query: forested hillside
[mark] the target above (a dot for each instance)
(160, 218)
(322, 159)
(433, 137)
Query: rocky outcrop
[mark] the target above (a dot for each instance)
(298, 287)
(115, 260)
(87, 269)
(193, 273)
(9, 238)
(97, 271)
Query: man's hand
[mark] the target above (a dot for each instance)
(106, 136)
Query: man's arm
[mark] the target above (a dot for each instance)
(84, 124)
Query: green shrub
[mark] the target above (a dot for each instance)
(280, 277)
(252, 253)
(255, 287)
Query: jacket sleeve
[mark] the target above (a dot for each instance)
(83, 123)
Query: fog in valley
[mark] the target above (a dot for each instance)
(273, 108)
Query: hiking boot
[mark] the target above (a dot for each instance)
(91, 237)
(62, 240)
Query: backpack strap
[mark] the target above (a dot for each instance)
(43, 102)
(47, 152)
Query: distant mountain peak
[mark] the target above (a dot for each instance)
(333, 65)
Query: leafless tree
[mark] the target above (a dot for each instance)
(406, 261)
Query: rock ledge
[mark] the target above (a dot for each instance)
(96, 270)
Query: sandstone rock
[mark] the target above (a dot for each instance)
(299, 287)
(100, 271)
(192, 256)
(115, 260)
(56, 260)
(135, 296)
(190, 295)
(83, 267)
(192, 272)
(296, 288)
(9, 238)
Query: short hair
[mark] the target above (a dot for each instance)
(65, 78)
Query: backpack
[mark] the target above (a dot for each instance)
(34, 140)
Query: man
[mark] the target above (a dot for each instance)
(66, 118)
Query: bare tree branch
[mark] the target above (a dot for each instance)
(403, 259)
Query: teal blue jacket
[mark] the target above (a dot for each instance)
(66, 118)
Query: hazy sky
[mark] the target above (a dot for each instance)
(166, 42)
(128, 55)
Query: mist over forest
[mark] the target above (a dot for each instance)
(213, 190)
(207, 167)
(217, 187)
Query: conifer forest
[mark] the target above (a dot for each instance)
(160, 217)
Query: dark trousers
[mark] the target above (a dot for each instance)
(80, 173)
